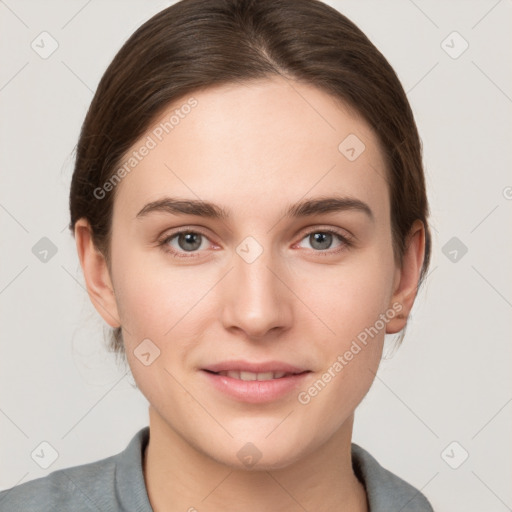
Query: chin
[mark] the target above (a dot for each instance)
(260, 454)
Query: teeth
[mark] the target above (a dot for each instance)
(248, 376)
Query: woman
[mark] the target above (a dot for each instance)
(250, 215)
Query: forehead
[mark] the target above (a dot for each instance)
(267, 142)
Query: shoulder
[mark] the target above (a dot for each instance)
(74, 488)
(385, 490)
(91, 487)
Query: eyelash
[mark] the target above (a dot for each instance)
(345, 239)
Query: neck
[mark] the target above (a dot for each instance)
(180, 477)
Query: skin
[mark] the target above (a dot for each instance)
(253, 149)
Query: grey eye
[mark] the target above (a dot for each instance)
(320, 240)
(189, 241)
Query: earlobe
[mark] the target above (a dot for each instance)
(407, 278)
(96, 274)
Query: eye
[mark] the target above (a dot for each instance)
(183, 242)
(322, 239)
(180, 243)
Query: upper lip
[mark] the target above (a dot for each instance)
(247, 366)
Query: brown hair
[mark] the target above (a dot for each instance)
(195, 44)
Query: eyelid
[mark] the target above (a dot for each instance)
(343, 233)
(181, 229)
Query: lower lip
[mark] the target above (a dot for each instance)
(255, 391)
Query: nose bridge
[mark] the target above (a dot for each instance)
(256, 299)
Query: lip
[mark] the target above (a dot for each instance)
(255, 391)
(247, 366)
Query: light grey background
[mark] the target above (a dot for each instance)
(449, 381)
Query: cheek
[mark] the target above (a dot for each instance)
(350, 297)
(354, 304)
(153, 298)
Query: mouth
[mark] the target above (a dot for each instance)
(251, 376)
(255, 383)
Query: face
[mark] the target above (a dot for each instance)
(289, 289)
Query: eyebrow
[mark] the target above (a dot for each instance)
(306, 208)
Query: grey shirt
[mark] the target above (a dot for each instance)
(116, 484)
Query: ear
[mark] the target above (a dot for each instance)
(96, 274)
(407, 277)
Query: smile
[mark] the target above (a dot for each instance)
(244, 375)
(255, 387)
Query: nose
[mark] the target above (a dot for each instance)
(256, 297)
